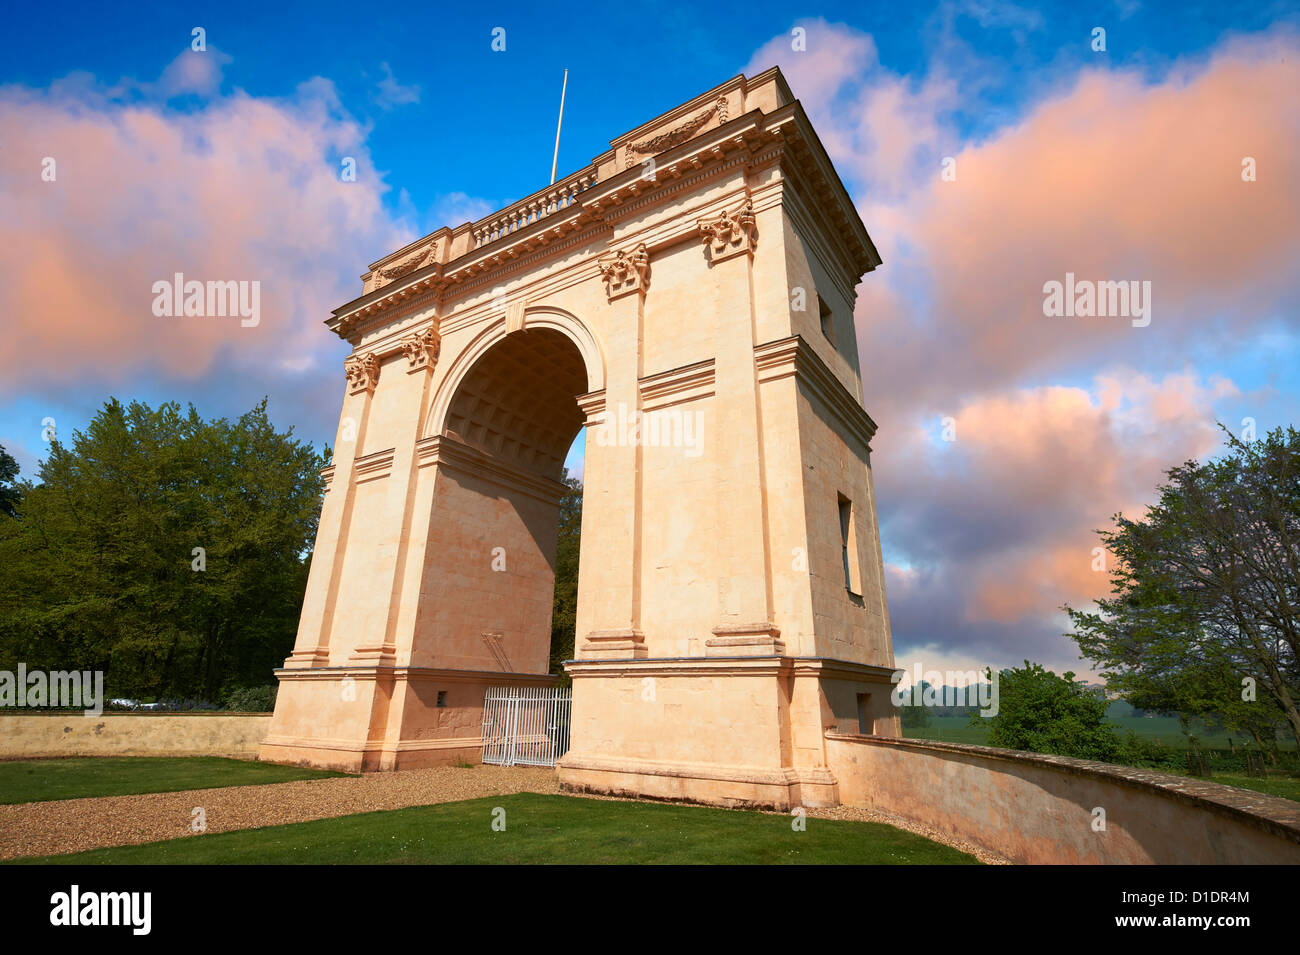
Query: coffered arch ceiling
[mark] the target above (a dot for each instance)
(518, 403)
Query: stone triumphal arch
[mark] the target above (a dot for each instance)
(688, 297)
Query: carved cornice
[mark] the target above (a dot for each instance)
(380, 277)
(449, 452)
(363, 372)
(636, 152)
(730, 233)
(626, 272)
(754, 139)
(422, 349)
(570, 227)
(371, 467)
(677, 386)
(793, 356)
(592, 405)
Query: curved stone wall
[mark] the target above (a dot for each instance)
(1033, 808)
(136, 734)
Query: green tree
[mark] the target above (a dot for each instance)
(564, 612)
(1041, 712)
(1205, 605)
(9, 491)
(166, 550)
(915, 716)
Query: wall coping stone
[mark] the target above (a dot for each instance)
(1272, 813)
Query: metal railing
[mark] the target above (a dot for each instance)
(525, 726)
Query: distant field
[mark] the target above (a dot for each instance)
(957, 729)
(949, 729)
(1279, 782)
(38, 780)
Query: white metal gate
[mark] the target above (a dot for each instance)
(525, 725)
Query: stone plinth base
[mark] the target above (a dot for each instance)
(729, 731)
(359, 719)
(732, 786)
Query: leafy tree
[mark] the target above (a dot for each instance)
(914, 716)
(1041, 712)
(564, 613)
(9, 492)
(1205, 597)
(101, 570)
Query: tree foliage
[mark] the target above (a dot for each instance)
(99, 568)
(564, 612)
(1041, 712)
(9, 492)
(1205, 598)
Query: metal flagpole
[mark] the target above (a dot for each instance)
(556, 158)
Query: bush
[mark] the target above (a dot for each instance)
(252, 699)
(1147, 753)
(1044, 713)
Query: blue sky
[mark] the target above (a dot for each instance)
(481, 115)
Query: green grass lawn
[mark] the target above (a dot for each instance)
(542, 829)
(39, 780)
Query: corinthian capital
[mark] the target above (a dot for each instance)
(626, 271)
(730, 233)
(362, 372)
(422, 349)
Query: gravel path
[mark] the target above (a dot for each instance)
(72, 825)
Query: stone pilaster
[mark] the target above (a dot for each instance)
(311, 648)
(609, 621)
(744, 622)
(420, 352)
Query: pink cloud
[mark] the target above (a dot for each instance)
(1115, 179)
(240, 189)
(1002, 520)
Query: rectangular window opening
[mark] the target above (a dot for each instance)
(828, 320)
(849, 547)
(866, 724)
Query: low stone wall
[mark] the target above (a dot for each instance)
(1041, 809)
(51, 734)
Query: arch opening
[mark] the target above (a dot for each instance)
(500, 583)
(518, 402)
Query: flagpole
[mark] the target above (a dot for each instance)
(556, 158)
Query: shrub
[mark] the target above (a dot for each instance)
(1045, 713)
(252, 699)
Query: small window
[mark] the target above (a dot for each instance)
(866, 725)
(849, 547)
(442, 697)
(828, 320)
